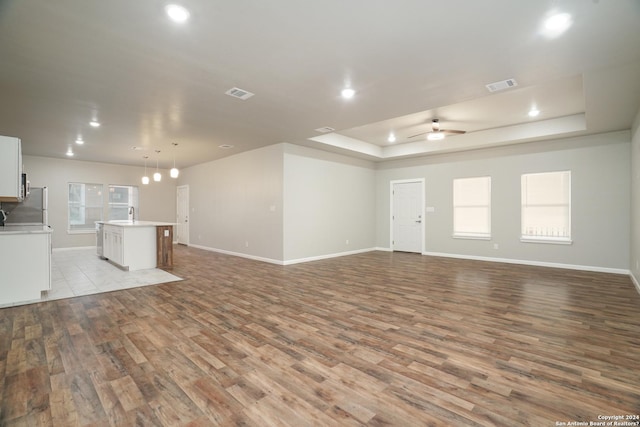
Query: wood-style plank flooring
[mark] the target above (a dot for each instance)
(371, 339)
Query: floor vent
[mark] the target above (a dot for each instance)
(504, 84)
(239, 93)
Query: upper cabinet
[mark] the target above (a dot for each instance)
(10, 170)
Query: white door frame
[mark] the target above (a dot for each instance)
(422, 209)
(178, 188)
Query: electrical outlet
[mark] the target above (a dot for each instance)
(246, 244)
(495, 246)
(346, 242)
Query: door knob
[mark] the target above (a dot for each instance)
(419, 221)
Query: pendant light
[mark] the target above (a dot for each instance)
(157, 177)
(145, 178)
(174, 172)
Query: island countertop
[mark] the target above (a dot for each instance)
(25, 229)
(136, 223)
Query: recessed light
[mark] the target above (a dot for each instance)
(94, 123)
(225, 146)
(79, 140)
(70, 152)
(348, 93)
(391, 138)
(534, 112)
(556, 24)
(177, 13)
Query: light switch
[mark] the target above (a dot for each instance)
(166, 233)
(431, 209)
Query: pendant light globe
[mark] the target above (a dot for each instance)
(145, 178)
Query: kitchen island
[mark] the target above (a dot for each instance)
(25, 264)
(135, 245)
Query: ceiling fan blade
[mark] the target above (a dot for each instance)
(418, 134)
(453, 132)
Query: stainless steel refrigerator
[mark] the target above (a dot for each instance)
(31, 211)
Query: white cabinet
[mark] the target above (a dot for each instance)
(10, 169)
(133, 248)
(25, 265)
(113, 244)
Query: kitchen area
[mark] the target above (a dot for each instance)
(25, 236)
(38, 264)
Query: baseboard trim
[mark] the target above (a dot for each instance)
(436, 254)
(320, 257)
(238, 254)
(73, 248)
(533, 263)
(635, 281)
(280, 262)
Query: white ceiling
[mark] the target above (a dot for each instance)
(152, 82)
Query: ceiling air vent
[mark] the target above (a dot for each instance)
(504, 84)
(325, 129)
(239, 93)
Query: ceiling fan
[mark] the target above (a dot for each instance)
(436, 133)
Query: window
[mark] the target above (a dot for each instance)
(546, 207)
(85, 207)
(472, 207)
(121, 198)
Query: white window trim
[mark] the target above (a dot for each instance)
(474, 236)
(82, 230)
(85, 231)
(526, 238)
(131, 190)
(547, 240)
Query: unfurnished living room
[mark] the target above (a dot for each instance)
(355, 213)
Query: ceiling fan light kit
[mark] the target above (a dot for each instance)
(436, 133)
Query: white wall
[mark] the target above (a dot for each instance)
(157, 200)
(635, 201)
(329, 199)
(236, 203)
(282, 204)
(600, 167)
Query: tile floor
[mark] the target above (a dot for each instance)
(76, 272)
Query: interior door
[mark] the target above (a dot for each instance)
(407, 216)
(182, 217)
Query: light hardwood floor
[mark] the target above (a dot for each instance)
(372, 339)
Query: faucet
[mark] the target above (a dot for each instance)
(132, 213)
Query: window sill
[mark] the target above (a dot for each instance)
(91, 231)
(462, 236)
(547, 240)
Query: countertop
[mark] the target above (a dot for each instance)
(135, 223)
(25, 229)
